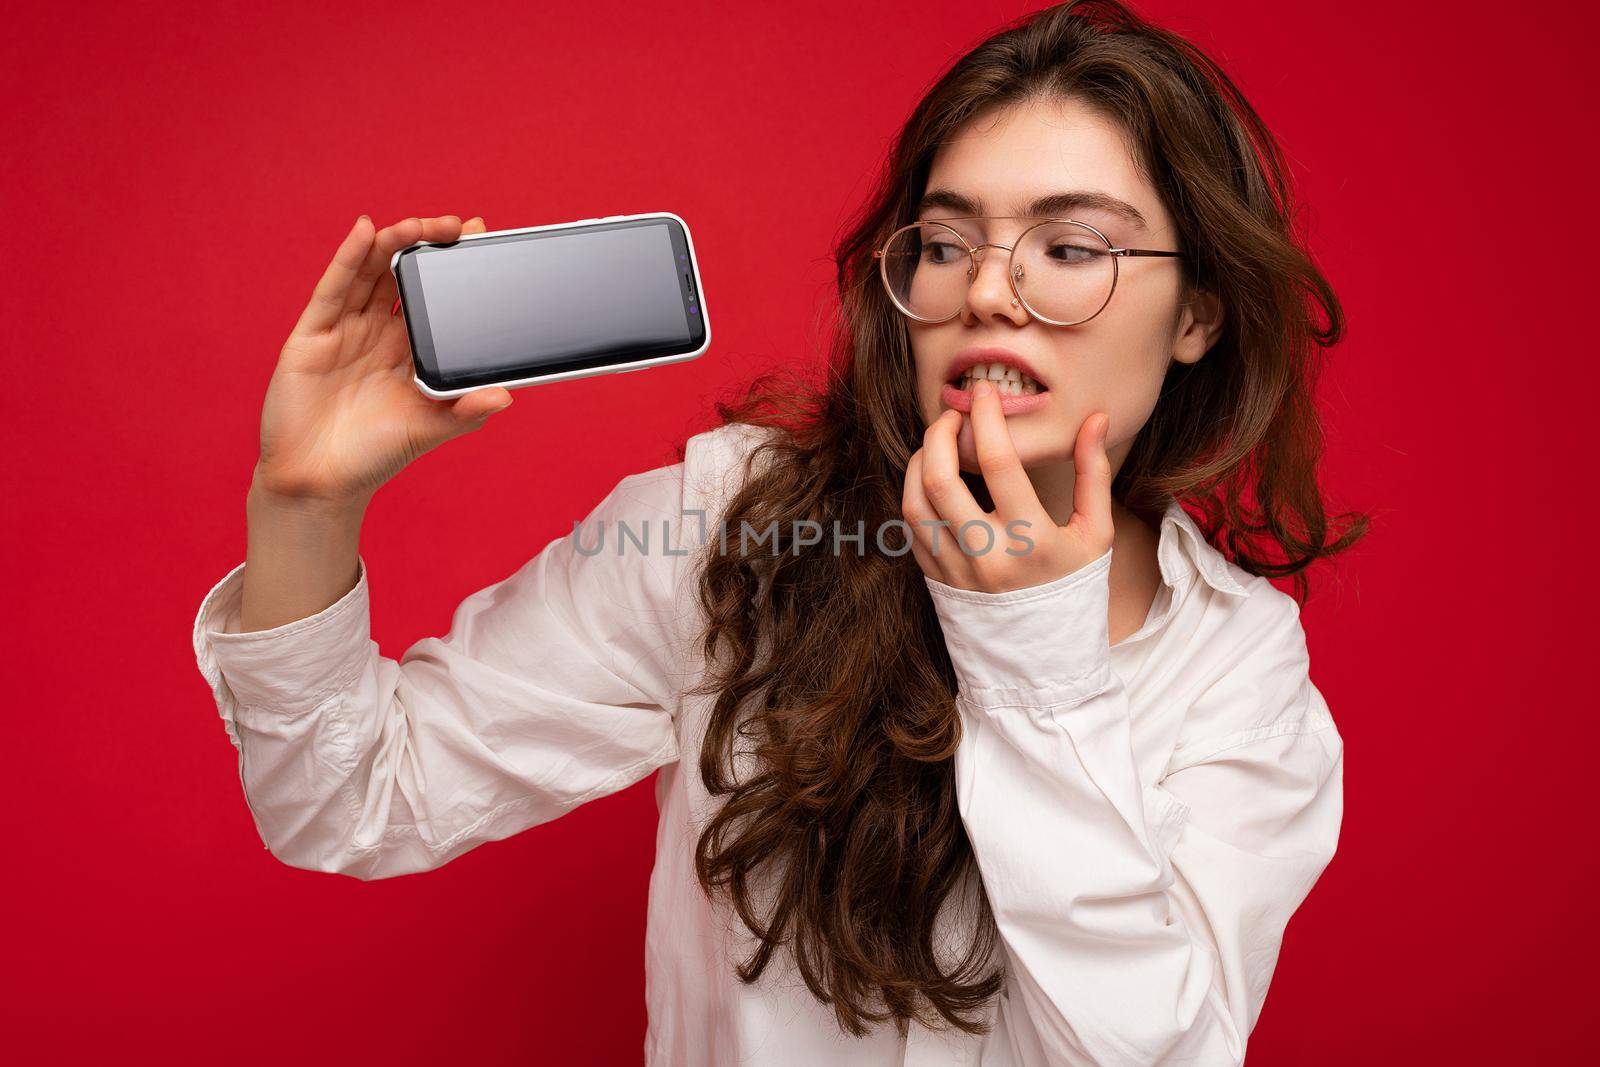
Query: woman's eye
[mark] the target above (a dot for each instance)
(1075, 253)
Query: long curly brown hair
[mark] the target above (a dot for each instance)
(831, 664)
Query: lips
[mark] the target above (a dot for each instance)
(961, 400)
(1020, 386)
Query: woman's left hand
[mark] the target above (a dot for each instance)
(934, 493)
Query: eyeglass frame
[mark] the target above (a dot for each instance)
(1117, 254)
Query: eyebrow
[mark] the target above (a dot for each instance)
(1053, 204)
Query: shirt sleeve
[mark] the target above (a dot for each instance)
(555, 685)
(1141, 924)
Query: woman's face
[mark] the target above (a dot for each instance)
(998, 164)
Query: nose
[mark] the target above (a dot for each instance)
(990, 293)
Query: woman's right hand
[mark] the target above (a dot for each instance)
(342, 415)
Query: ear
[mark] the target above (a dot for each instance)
(1199, 325)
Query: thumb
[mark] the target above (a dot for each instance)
(450, 420)
(445, 420)
(481, 403)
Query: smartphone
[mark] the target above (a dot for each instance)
(550, 303)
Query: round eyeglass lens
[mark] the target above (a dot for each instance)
(926, 269)
(1064, 270)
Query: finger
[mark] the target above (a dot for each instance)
(472, 225)
(1091, 493)
(949, 498)
(941, 471)
(391, 239)
(926, 562)
(376, 264)
(919, 515)
(372, 267)
(442, 230)
(383, 289)
(328, 297)
(1009, 485)
(480, 403)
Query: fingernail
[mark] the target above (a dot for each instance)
(982, 389)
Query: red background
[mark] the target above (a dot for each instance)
(178, 177)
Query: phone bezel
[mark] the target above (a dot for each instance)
(415, 311)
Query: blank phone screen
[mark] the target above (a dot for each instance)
(498, 304)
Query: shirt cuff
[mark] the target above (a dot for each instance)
(1046, 645)
(288, 666)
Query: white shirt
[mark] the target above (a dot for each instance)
(1145, 817)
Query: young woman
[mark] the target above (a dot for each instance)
(971, 746)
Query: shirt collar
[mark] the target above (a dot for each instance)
(1196, 555)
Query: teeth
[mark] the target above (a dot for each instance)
(1008, 381)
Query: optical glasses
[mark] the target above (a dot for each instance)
(1061, 270)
